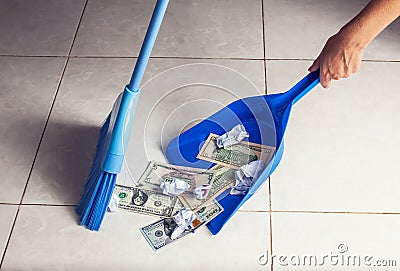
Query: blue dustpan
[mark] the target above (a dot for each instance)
(264, 117)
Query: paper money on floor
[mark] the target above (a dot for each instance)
(183, 219)
(174, 187)
(224, 179)
(236, 155)
(158, 173)
(145, 201)
(178, 206)
(158, 234)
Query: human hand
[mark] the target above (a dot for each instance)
(340, 57)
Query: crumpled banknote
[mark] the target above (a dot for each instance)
(201, 192)
(234, 136)
(113, 205)
(245, 176)
(174, 187)
(183, 219)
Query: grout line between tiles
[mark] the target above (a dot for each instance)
(189, 57)
(133, 57)
(42, 135)
(383, 61)
(36, 56)
(53, 102)
(266, 92)
(43, 132)
(176, 57)
(263, 41)
(270, 221)
(289, 59)
(265, 77)
(311, 59)
(334, 212)
(33, 163)
(253, 211)
(318, 212)
(269, 198)
(9, 238)
(48, 204)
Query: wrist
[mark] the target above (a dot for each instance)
(355, 36)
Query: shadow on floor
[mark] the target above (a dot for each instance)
(63, 163)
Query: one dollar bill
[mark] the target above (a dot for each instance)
(157, 172)
(224, 178)
(145, 201)
(236, 155)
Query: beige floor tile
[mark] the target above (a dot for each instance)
(49, 238)
(27, 89)
(42, 27)
(335, 241)
(190, 29)
(259, 201)
(86, 95)
(300, 28)
(7, 218)
(341, 144)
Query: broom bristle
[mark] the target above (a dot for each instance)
(98, 188)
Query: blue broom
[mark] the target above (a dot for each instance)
(114, 135)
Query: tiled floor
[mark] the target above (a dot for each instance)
(62, 64)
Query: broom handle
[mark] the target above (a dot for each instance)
(122, 124)
(147, 45)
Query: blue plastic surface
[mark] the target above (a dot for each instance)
(264, 117)
(114, 135)
(148, 44)
(120, 127)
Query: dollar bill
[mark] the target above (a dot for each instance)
(206, 214)
(144, 201)
(157, 172)
(203, 214)
(158, 234)
(224, 178)
(178, 206)
(236, 155)
(216, 166)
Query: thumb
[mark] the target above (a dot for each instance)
(314, 66)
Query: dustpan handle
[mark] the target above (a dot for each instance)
(301, 88)
(148, 44)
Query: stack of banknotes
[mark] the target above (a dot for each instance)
(148, 198)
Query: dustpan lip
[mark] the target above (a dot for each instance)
(219, 123)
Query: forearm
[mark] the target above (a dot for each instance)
(375, 17)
